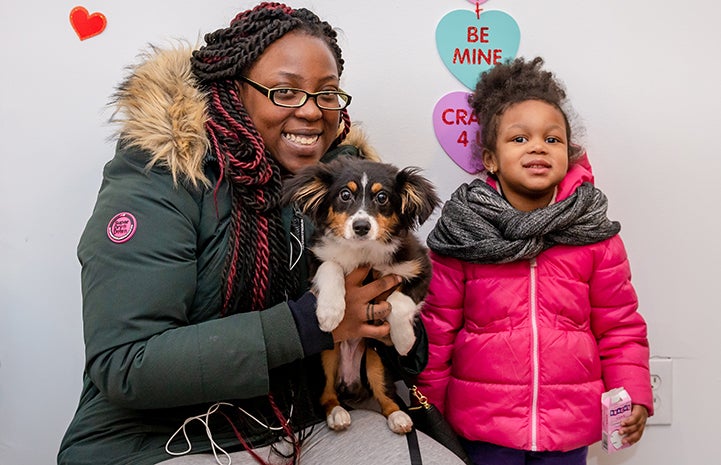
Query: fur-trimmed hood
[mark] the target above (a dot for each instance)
(160, 108)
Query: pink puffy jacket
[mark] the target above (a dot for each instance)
(521, 352)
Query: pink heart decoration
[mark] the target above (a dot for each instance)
(87, 25)
(456, 129)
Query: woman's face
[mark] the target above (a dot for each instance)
(296, 137)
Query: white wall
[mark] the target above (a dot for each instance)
(641, 74)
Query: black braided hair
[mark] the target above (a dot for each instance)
(512, 82)
(256, 272)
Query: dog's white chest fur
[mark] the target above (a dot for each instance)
(349, 254)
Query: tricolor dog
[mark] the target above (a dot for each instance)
(365, 213)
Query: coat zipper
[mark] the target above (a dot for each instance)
(534, 348)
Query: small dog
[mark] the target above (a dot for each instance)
(364, 213)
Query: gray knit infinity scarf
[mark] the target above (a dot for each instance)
(478, 225)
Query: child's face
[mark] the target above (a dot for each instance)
(531, 155)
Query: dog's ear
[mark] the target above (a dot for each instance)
(418, 195)
(308, 188)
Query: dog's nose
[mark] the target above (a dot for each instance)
(361, 227)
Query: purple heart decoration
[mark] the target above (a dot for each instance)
(456, 128)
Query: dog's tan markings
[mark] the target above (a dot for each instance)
(330, 359)
(386, 226)
(337, 221)
(376, 187)
(410, 196)
(407, 270)
(352, 185)
(310, 195)
(417, 265)
(376, 379)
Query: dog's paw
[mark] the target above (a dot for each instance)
(401, 321)
(399, 422)
(329, 314)
(339, 419)
(403, 339)
(329, 283)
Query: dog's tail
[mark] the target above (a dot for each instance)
(357, 138)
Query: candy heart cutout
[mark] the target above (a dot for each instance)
(470, 44)
(456, 129)
(87, 25)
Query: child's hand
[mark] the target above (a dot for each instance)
(633, 426)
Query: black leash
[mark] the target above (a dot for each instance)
(413, 448)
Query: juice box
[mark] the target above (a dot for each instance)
(615, 406)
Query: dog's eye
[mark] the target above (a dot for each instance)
(345, 195)
(382, 198)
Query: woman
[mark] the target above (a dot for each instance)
(200, 335)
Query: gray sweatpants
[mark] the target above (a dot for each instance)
(368, 441)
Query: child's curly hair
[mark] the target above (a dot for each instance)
(512, 82)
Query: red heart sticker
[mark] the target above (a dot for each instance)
(87, 25)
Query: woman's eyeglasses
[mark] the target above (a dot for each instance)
(289, 97)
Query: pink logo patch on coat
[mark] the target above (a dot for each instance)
(122, 227)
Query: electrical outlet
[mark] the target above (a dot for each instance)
(662, 388)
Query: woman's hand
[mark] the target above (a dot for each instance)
(633, 426)
(362, 309)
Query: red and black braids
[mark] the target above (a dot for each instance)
(256, 271)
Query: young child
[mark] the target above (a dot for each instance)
(531, 314)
